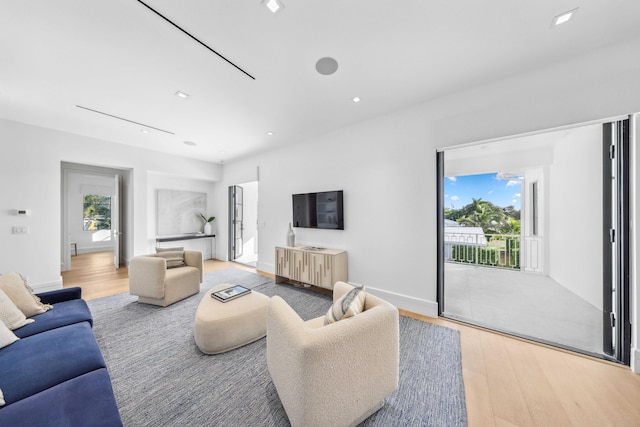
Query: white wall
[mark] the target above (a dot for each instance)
(386, 166)
(575, 213)
(30, 178)
(161, 181)
(382, 206)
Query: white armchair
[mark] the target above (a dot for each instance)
(334, 375)
(153, 283)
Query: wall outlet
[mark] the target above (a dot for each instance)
(20, 230)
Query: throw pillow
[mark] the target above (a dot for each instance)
(16, 288)
(174, 258)
(10, 315)
(158, 250)
(6, 336)
(346, 306)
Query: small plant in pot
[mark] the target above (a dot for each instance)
(207, 222)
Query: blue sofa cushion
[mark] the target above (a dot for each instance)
(86, 400)
(36, 363)
(62, 314)
(59, 295)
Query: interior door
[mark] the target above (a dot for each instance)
(115, 222)
(236, 222)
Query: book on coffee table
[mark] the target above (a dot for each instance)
(230, 293)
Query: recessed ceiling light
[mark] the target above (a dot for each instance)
(181, 95)
(326, 66)
(144, 131)
(273, 5)
(563, 17)
(191, 143)
(270, 133)
(222, 151)
(356, 99)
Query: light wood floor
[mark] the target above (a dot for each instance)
(508, 382)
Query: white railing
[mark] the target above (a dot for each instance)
(490, 250)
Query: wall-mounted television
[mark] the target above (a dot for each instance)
(318, 210)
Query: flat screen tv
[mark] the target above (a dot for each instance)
(318, 210)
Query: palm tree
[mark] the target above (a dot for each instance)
(482, 214)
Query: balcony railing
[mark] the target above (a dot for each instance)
(490, 250)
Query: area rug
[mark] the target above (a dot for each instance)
(160, 378)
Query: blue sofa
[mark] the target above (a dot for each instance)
(55, 375)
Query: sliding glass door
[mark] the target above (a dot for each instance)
(528, 229)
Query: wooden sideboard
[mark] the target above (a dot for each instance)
(313, 266)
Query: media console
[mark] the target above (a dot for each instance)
(311, 265)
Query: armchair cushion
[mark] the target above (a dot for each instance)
(348, 305)
(178, 248)
(174, 259)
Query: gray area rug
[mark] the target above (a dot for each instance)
(160, 378)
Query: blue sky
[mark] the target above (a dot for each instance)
(459, 190)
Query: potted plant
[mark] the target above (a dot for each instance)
(207, 223)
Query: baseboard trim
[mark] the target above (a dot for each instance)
(406, 302)
(47, 286)
(266, 267)
(94, 249)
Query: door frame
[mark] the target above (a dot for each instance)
(616, 316)
(124, 208)
(232, 196)
(623, 302)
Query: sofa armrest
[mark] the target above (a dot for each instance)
(147, 275)
(194, 259)
(60, 295)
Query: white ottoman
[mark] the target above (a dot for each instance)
(223, 326)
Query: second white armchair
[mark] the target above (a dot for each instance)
(333, 375)
(154, 283)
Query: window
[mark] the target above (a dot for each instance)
(96, 212)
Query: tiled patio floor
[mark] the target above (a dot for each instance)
(524, 304)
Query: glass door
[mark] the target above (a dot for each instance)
(561, 275)
(236, 223)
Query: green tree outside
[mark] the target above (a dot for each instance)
(96, 212)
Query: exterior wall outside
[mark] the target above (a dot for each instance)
(575, 213)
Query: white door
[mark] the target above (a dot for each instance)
(115, 222)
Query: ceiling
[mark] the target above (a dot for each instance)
(121, 59)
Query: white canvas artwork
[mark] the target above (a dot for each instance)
(178, 212)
